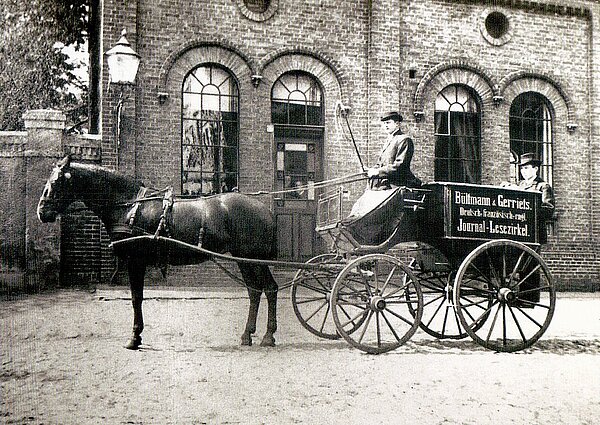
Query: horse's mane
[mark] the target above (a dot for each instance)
(107, 176)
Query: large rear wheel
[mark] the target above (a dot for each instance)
(521, 289)
(372, 300)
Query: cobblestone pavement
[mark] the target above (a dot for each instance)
(63, 363)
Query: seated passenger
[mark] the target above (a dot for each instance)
(393, 165)
(529, 166)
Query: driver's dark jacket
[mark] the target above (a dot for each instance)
(394, 161)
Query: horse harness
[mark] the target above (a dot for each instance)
(145, 195)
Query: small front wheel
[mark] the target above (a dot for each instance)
(376, 303)
(311, 290)
(504, 295)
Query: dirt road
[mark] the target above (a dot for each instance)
(63, 363)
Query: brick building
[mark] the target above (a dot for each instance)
(250, 93)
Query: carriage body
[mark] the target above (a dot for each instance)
(444, 221)
(455, 259)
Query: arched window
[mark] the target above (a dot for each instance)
(297, 99)
(531, 130)
(457, 135)
(210, 128)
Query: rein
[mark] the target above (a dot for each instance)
(350, 178)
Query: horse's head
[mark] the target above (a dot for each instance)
(57, 194)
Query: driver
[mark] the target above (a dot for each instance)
(393, 165)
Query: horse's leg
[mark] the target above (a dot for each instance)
(137, 270)
(270, 288)
(249, 275)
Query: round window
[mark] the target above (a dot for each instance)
(258, 10)
(496, 24)
(495, 27)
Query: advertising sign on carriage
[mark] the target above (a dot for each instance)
(487, 212)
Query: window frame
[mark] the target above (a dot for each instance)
(452, 138)
(544, 140)
(205, 123)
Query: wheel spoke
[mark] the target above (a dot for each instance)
(487, 340)
(504, 324)
(390, 326)
(393, 313)
(483, 315)
(492, 268)
(536, 268)
(325, 318)
(474, 304)
(394, 292)
(444, 324)
(533, 290)
(503, 263)
(529, 317)
(456, 318)
(517, 323)
(365, 281)
(534, 304)
(378, 329)
(434, 300)
(366, 325)
(486, 279)
(352, 319)
(311, 300)
(516, 267)
(315, 289)
(376, 279)
(316, 311)
(435, 312)
(389, 278)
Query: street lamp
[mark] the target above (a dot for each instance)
(123, 63)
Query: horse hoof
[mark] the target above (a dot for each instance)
(134, 344)
(268, 341)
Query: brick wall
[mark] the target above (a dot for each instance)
(374, 56)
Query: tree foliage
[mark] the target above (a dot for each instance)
(34, 72)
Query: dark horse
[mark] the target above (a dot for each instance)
(231, 222)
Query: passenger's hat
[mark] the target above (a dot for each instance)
(529, 158)
(392, 116)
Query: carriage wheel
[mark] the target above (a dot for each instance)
(311, 292)
(371, 303)
(518, 282)
(440, 318)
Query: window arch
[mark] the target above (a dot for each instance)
(297, 99)
(531, 130)
(457, 135)
(210, 131)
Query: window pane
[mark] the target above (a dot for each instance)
(441, 123)
(297, 114)
(441, 147)
(191, 105)
(279, 112)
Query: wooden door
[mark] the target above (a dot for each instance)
(298, 165)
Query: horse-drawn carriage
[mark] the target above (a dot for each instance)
(457, 260)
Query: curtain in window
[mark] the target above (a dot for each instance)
(457, 130)
(531, 130)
